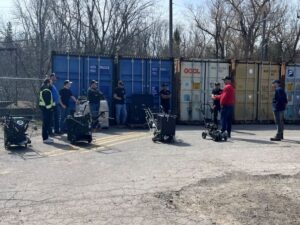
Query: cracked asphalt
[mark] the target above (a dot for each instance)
(125, 178)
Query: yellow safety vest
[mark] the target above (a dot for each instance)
(42, 101)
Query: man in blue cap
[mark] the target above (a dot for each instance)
(278, 106)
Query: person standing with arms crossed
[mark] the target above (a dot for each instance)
(278, 106)
(216, 102)
(227, 101)
(119, 97)
(46, 105)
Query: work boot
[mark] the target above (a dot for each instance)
(48, 141)
(276, 138)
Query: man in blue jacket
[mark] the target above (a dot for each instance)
(56, 111)
(278, 106)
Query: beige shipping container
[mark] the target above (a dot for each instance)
(267, 73)
(245, 112)
(246, 78)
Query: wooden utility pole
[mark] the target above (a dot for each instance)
(171, 28)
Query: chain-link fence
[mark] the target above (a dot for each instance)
(18, 94)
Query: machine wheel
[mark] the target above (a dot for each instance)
(204, 135)
(156, 137)
(6, 146)
(217, 138)
(73, 140)
(225, 138)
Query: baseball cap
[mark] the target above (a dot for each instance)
(46, 81)
(94, 82)
(67, 82)
(217, 83)
(227, 78)
(276, 82)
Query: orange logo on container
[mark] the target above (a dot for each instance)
(191, 70)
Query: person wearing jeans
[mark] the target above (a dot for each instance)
(121, 114)
(94, 98)
(227, 101)
(226, 118)
(56, 111)
(119, 98)
(278, 105)
(65, 96)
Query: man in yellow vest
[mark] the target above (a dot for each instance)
(46, 104)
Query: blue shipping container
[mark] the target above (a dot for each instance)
(101, 70)
(68, 67)
(145, 76)
(81, 69)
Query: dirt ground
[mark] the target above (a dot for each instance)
(239, 198)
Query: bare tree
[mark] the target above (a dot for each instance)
(34, 17)
(217, 24)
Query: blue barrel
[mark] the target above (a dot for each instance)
(99, 69)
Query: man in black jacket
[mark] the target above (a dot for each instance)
(216, 102)
(46, 104)
(94, 97)
(278, 105)
(165, 98)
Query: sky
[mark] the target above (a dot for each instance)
(178, 6)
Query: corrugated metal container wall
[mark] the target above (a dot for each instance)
(267, 73)
(68, 67)
(292, 87)
(101, 70)
(133, 73)
(145, 76)
(159, 72)
(191, 90)
(215, 71)
(246, 78)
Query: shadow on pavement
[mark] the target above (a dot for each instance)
(243, 132)
(291, 141)
(253, 141)
(65, 147)
(179, 143)
(24, 153)
(68, 147)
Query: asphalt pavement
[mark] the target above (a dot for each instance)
(118, 178)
